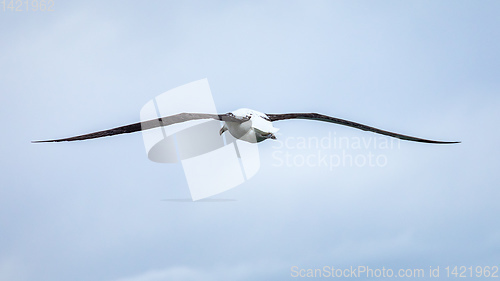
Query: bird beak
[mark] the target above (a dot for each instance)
(222, 130)
(273, 137)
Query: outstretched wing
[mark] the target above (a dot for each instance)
(146, 125)
(321, 117)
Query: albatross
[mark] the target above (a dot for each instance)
(243, 124)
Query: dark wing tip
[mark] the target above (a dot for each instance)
(451, 142)
(42, 141)
(441, 142)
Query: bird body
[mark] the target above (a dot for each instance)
(258, 127)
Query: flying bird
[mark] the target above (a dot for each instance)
(244, 124)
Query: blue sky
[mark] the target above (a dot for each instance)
(100, 210)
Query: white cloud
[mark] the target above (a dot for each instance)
(171, 273)
(236, 272)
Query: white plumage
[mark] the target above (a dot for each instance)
(258, 128)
